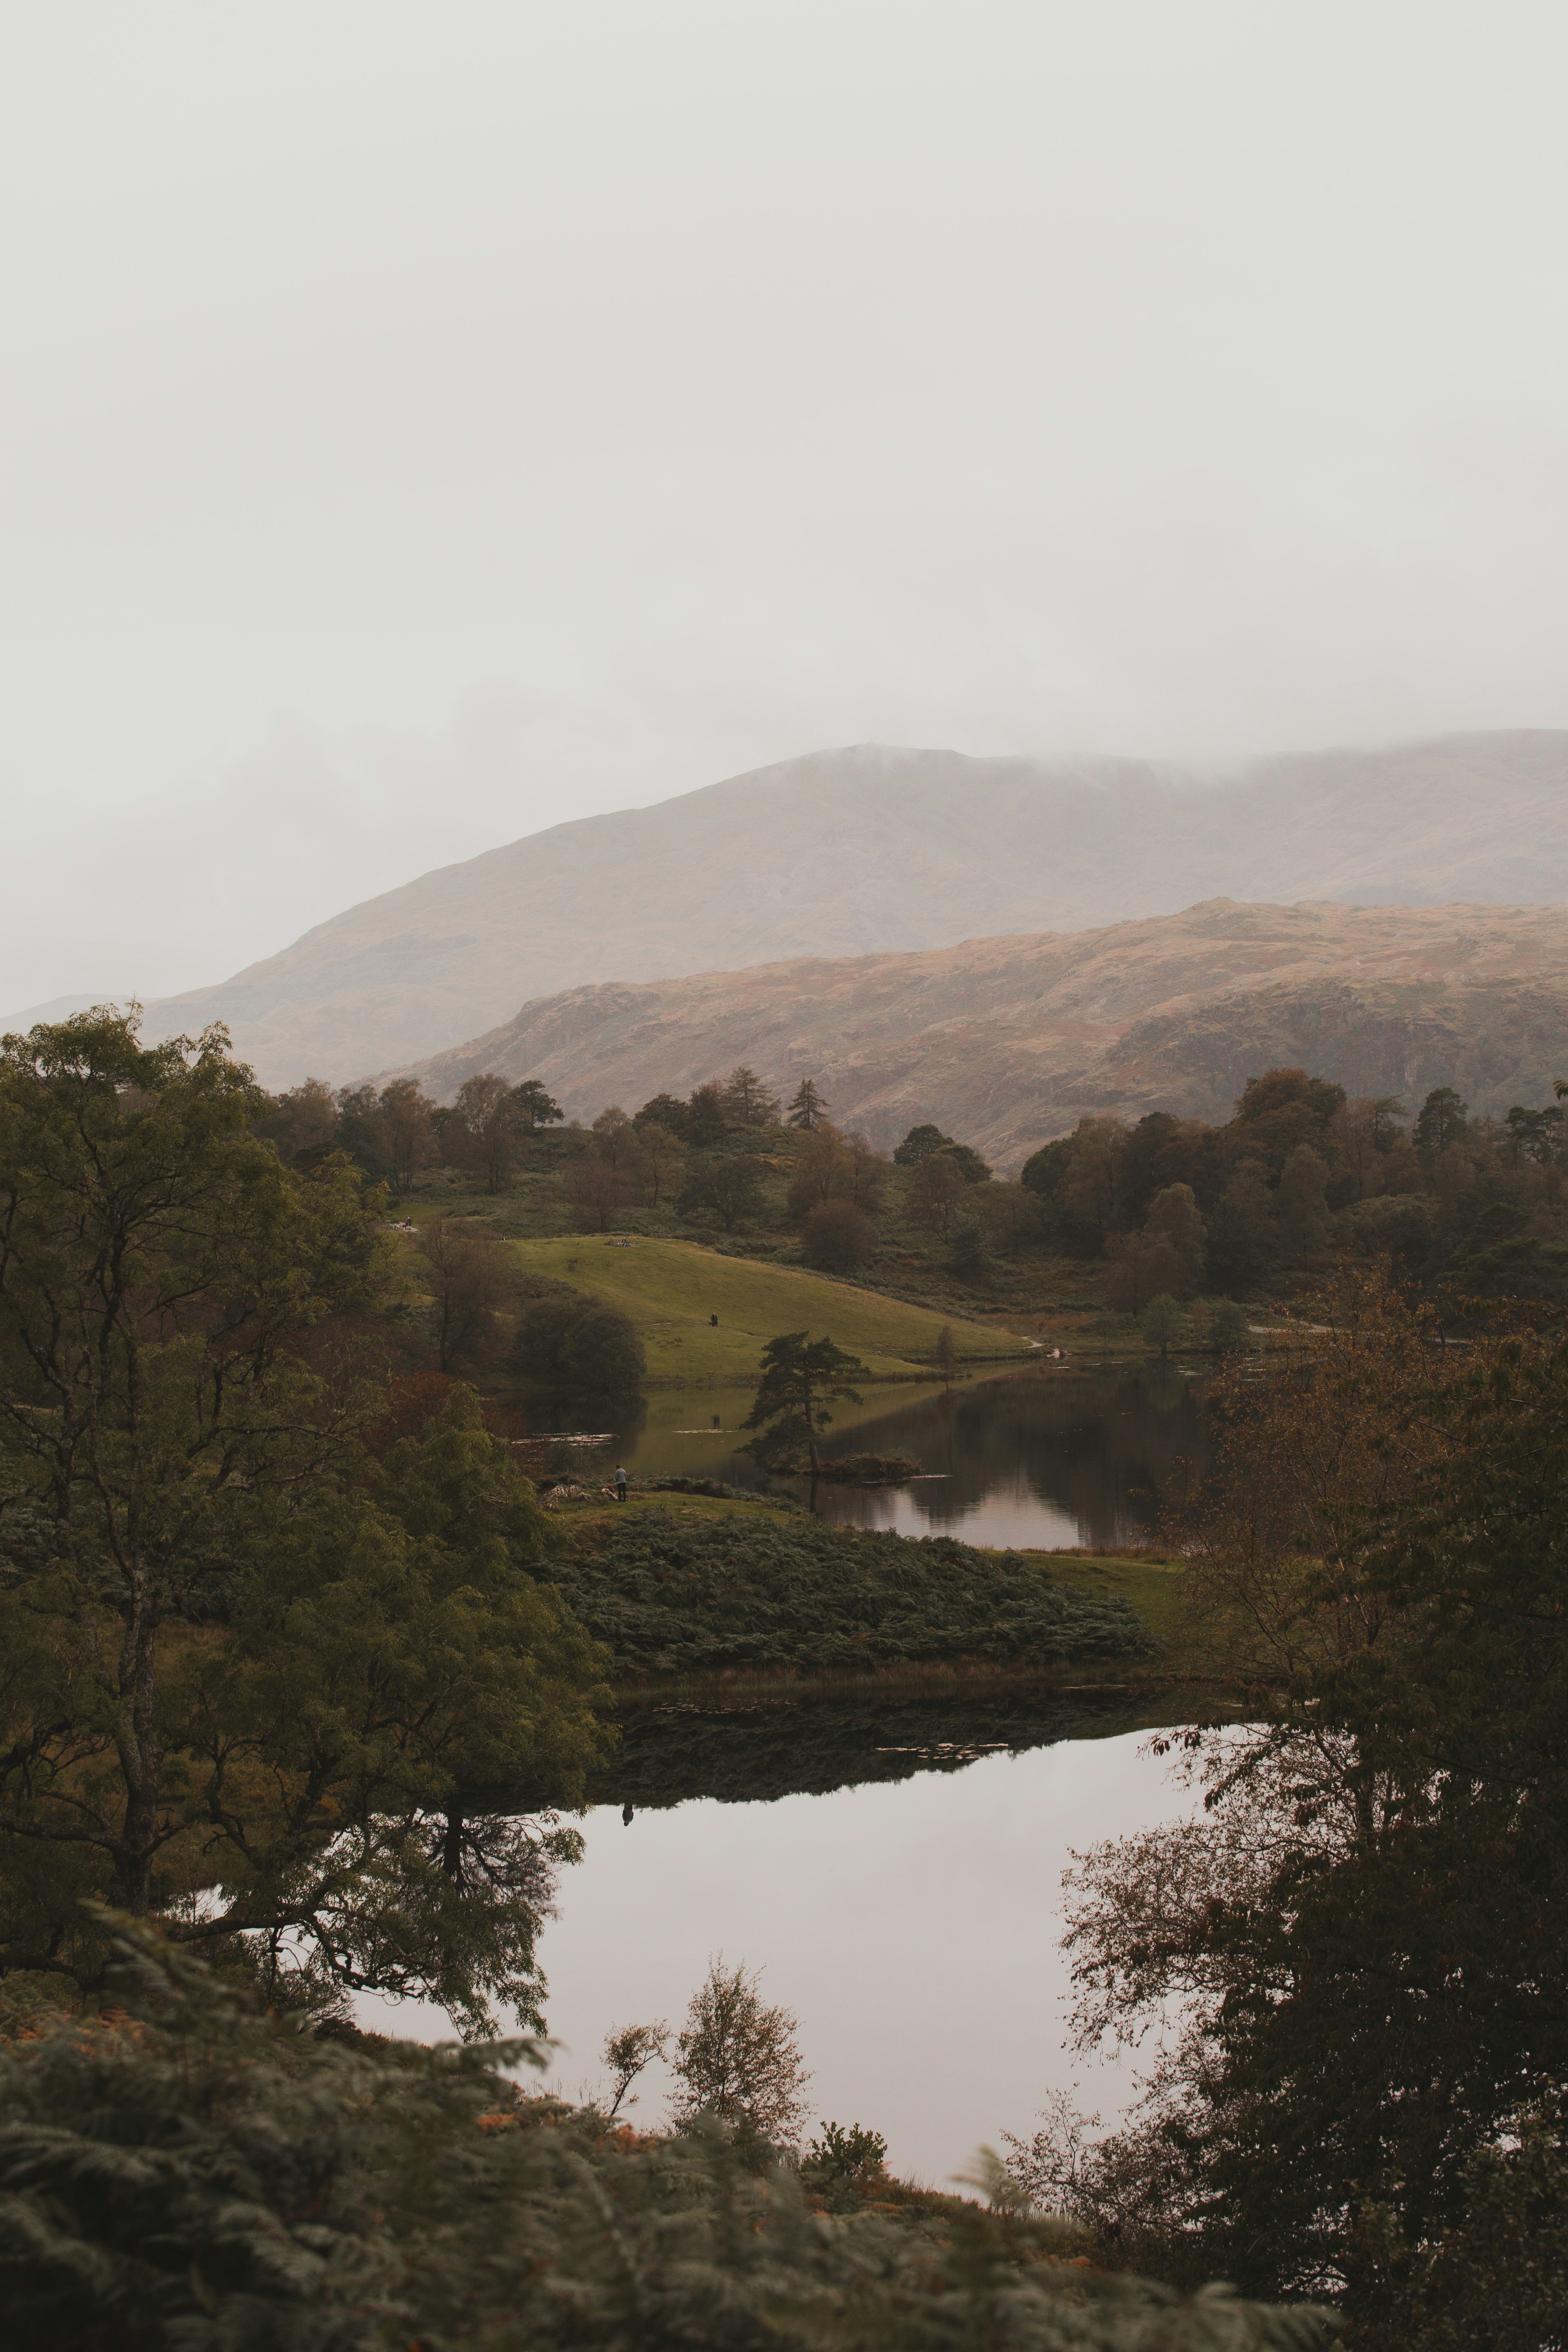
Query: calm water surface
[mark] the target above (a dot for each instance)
(1046, 1459)
(913, 1926)
(893, 1862)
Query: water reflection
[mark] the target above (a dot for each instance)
(757, 1746)
(1044, 1459)
(913, 1926)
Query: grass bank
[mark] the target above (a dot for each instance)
(671, 1288)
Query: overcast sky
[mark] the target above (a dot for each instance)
(422, 423)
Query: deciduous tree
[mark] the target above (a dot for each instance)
(1366, 1924)
(728, 1184)
(937, 1192)
(738, 2060)
(303, 1122)
(488, 1125)
(663, 1162)
(469, 1278)
(596, 1193)
(839, 1237)
(408, 1128)
(161, 1271)
(1173, 1218)
(1303, 1205)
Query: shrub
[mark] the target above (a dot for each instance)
(676, 1597)
(839, 1237)
(207, 2177)
(844, 2157)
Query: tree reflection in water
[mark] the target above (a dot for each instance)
(1048, 1458)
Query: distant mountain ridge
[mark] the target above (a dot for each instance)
(1006, 1042)
(873, 849)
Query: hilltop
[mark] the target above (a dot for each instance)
(874, 850)
(1009, 1041)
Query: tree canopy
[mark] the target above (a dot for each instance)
(800, 1376)
(251, 1677)
(1367, 1926)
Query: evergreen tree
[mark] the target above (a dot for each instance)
(747, 1101)
(800, 1377)
(1440, 1121)
(807, 1107)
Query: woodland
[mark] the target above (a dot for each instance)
(1161, 1232)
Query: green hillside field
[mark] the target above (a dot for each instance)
(671, 1288)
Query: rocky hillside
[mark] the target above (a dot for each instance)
(1006, 1042)
(862, 851)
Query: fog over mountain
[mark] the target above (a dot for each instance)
(1006, 1042)
(860, 851)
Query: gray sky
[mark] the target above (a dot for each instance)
(422, 423)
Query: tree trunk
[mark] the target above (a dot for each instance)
(139, 1763)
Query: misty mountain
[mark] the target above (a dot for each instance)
(867, 850)
(1006, 1042)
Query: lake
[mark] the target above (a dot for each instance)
(911, 1918)
(1045, 1458)
(894, 1861)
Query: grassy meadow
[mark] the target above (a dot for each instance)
(671, 1288)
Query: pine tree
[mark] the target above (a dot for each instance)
(799, 1376)
(807, 1107)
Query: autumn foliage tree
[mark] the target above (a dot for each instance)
(738, 2060)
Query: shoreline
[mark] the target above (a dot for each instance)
(743, 1692)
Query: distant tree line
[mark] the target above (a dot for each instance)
(396, 1132)
(1301, 1174)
